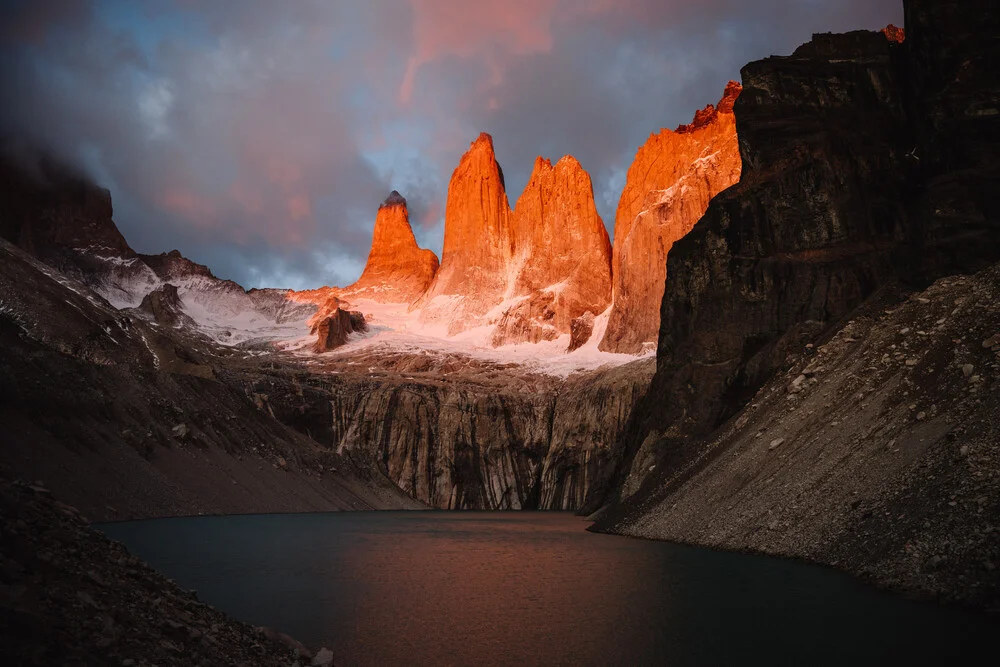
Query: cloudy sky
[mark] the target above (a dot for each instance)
(259, 137)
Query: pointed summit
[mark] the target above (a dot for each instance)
(397, 270)
(667, 190)
(477, 241)
(394, 199)
(563, 254)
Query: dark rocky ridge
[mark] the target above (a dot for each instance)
(866, 162)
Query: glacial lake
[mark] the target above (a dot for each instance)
(510, 588)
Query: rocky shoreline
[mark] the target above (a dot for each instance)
(70, 596)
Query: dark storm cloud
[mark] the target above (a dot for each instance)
(259, 137)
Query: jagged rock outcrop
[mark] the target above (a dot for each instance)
(531, 271)
(332, 331)
(580, 331)
(164, 304)
(668, 187)
(562, 255)
(397, 270)
(478, 245)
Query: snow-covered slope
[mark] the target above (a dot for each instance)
(394, 327)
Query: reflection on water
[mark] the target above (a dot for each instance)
(437, 588)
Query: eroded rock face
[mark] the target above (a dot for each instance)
(397, 270)
(875, 451)
(460, 437)
(672, 179)
(562, 254)
(478, 245)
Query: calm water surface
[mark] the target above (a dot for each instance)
(439, 588)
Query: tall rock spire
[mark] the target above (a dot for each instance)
(478, 245)
(562, 257)
(397, 270)
(673, 177)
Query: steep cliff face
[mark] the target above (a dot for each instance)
(805, 236)
(478, 244)
(839, 194)
(668, 187)
(460, 435)
(562, 261)
(50, 210)
(866, 161)
(953, 86)
(397, 270)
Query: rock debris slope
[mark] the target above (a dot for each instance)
(127, 419)
(877, 451)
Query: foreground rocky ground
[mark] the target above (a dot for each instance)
(877, 451)
(69, 596)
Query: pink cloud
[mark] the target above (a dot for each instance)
(299, 207)
(189, 205)
(492, 30)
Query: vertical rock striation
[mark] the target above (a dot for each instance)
(668, 187)
(466, 436)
